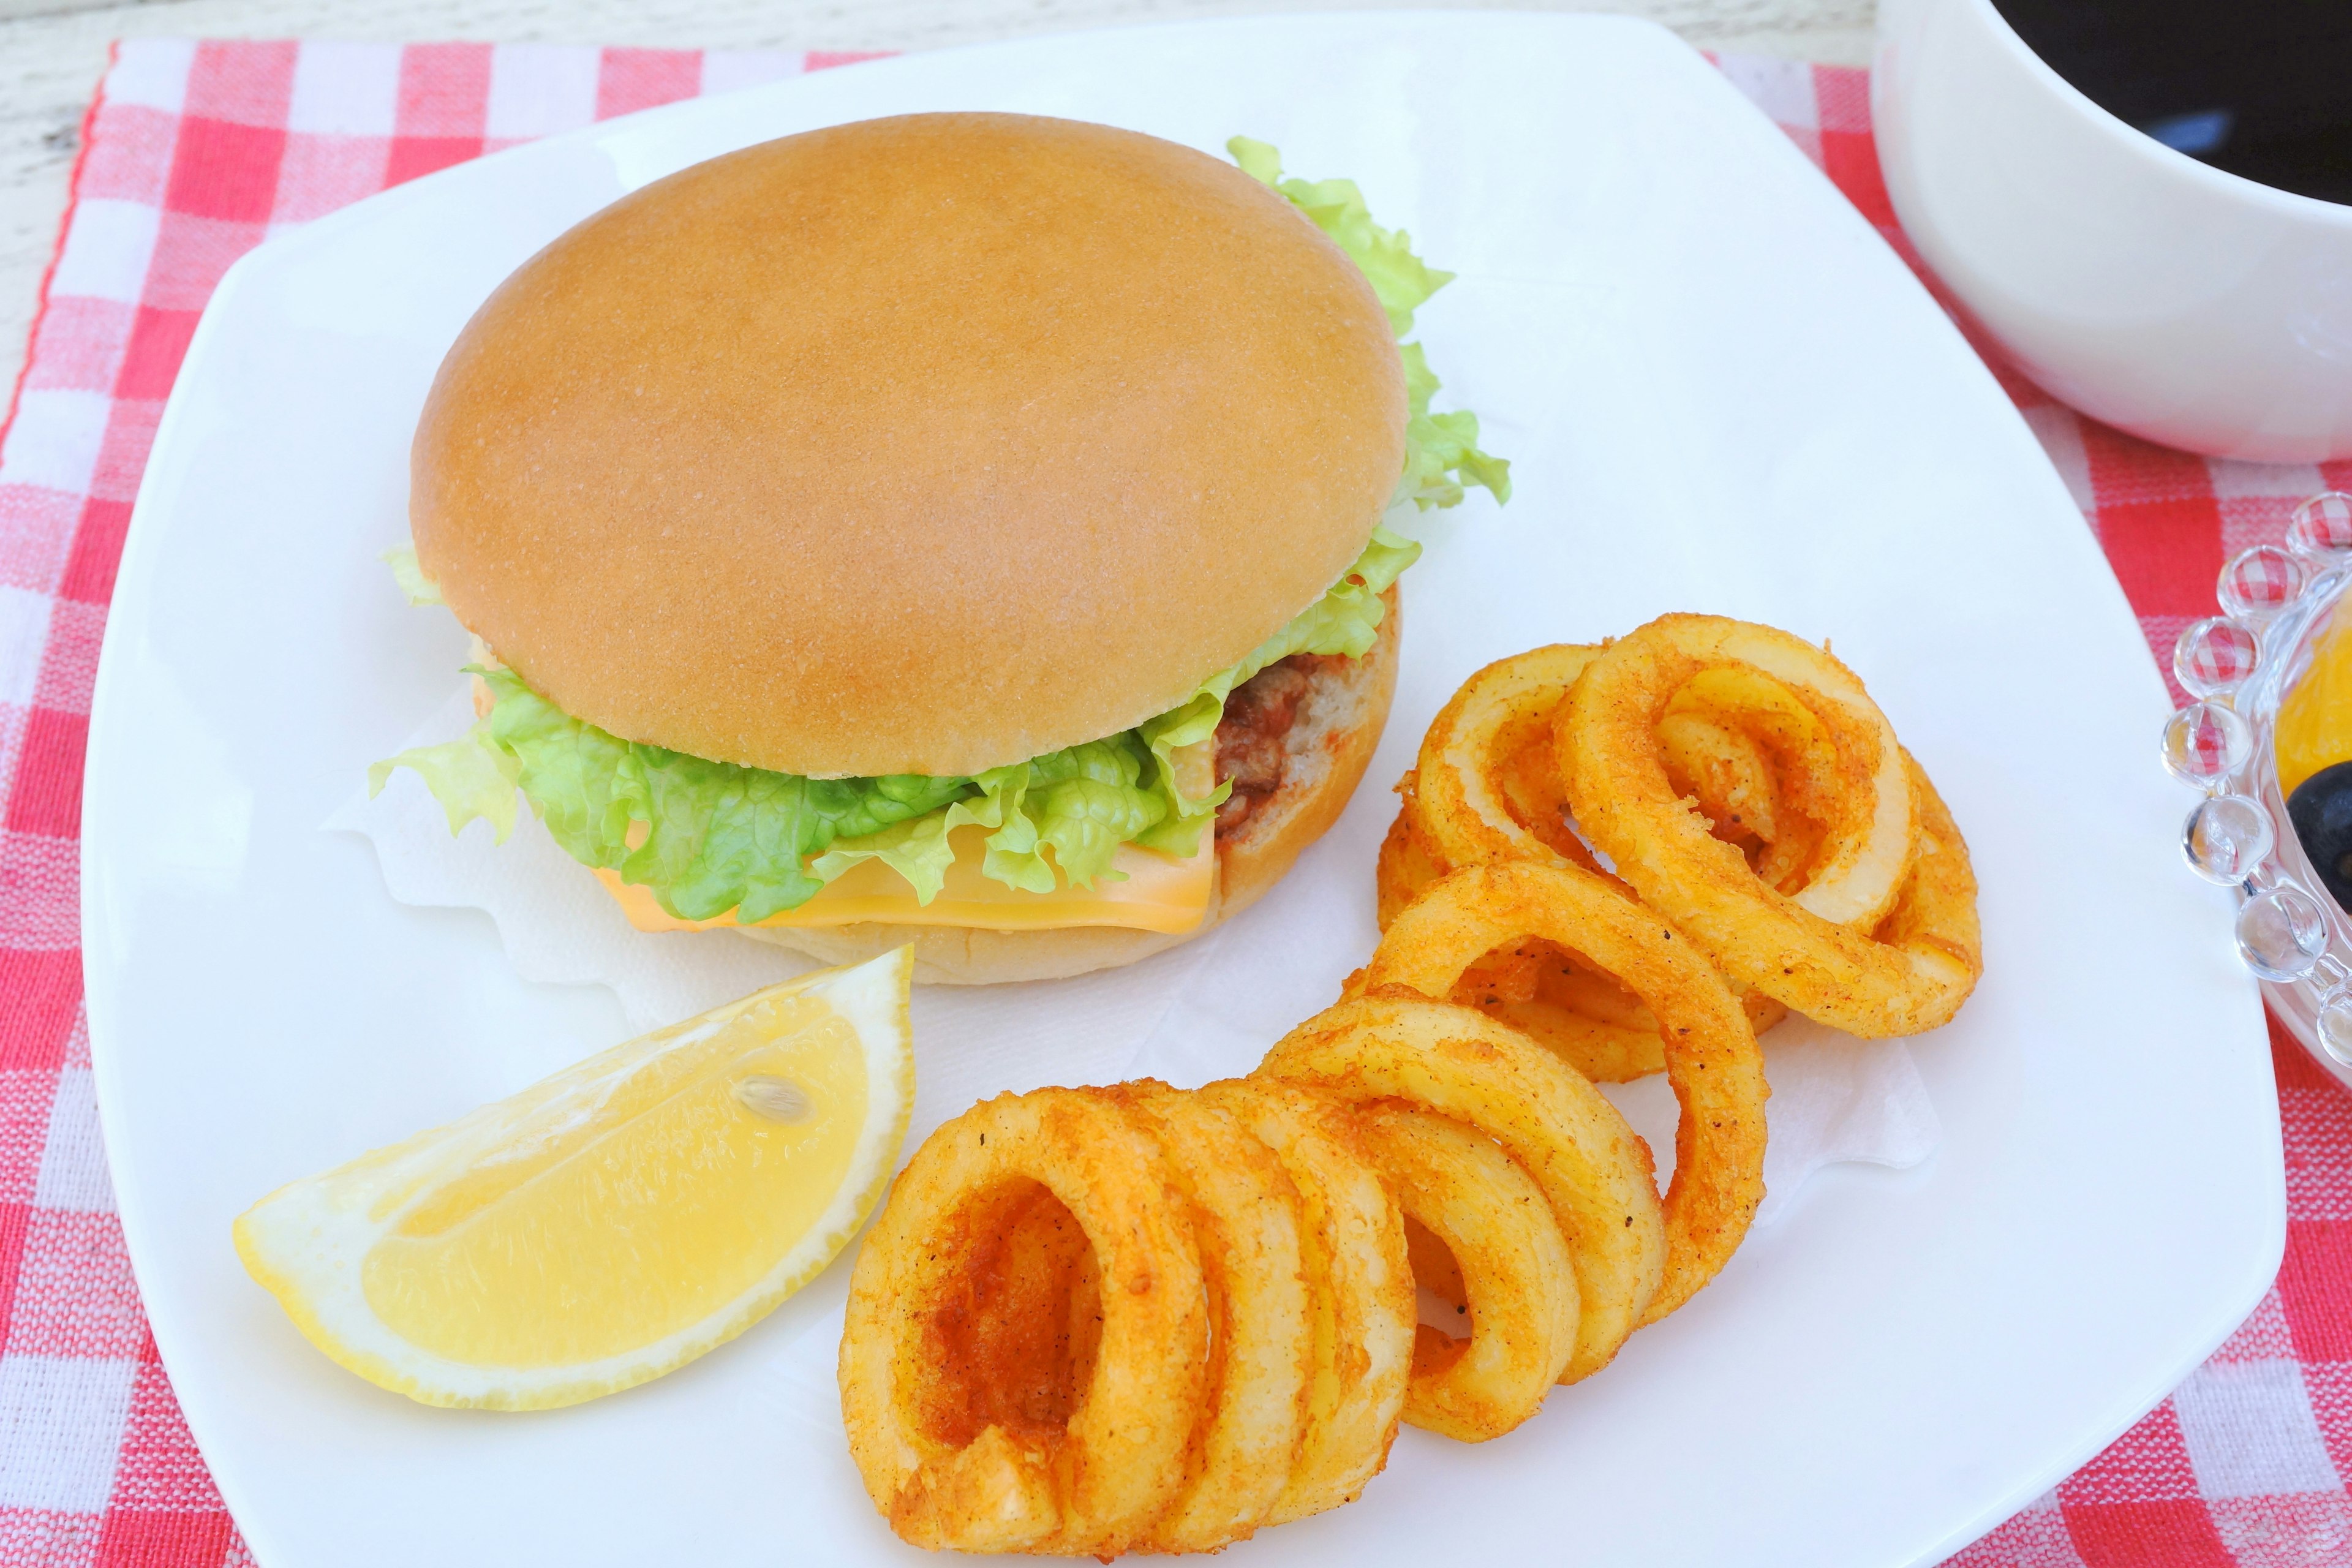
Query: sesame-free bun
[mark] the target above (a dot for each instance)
(914, 445)
(1329, 747)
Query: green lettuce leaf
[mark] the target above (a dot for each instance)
(1398, 276)
(1441, 453)
(414, 583)
(1082, 803)
(917, 848)
(706, 838)
(469, 776)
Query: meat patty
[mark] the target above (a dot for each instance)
(1252, 738)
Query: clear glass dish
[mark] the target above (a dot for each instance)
(2238, 667)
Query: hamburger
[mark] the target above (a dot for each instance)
(969, 529)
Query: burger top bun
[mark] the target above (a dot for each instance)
(921, 445)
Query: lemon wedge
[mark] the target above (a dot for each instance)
(614, 1221)
(2315, 723)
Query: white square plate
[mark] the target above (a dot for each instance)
(1721, 391)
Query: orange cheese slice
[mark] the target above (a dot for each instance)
(1160, 893)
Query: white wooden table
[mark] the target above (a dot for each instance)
(53, 51)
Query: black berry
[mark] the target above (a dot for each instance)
(2320, 810)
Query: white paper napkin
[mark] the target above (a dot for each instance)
(1206, 1010)
(558, 924)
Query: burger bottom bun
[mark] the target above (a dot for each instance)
(1330, 745)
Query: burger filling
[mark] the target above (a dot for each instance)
(709, 837)
(1254, 736)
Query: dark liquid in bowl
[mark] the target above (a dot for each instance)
(2261, 88)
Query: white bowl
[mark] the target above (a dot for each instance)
(2180, 302)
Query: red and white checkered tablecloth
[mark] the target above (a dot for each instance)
(196, 151)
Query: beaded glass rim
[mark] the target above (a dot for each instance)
(2238, 667)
